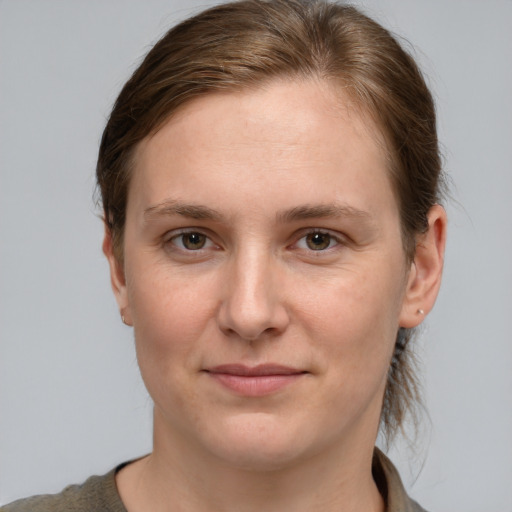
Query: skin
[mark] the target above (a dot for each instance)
(255, 179)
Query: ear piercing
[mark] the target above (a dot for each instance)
(122, 318)
(420, 312)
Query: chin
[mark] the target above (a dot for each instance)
(255, 457)
(259, 442)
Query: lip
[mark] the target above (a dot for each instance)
(254, 381)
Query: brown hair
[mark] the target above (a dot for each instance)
(242, 44)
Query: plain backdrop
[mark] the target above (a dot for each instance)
(71, 399)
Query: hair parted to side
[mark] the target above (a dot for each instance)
(243, 44)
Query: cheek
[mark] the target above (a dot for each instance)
(169, 323)
(354, 335)
(353, 319)
(170, 315)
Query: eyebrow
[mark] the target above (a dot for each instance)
(332, 210)
(192, 211)
(171, 207)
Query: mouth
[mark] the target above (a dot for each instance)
(255, 381)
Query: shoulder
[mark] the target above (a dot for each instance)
(96, 493)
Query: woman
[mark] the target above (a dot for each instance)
(270, 178)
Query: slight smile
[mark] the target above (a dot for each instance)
(255, 381)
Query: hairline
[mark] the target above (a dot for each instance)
(346, 99)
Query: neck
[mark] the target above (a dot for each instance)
(177, 478)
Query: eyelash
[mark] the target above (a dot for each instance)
(334, 240)
(188, 232)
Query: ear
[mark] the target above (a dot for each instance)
(425, 274)
(117, 277)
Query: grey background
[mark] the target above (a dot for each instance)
(71, 399)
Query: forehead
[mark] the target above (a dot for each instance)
(280, 131)
(327, 100)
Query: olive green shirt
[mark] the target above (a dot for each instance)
(99, 493)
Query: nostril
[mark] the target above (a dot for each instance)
(251, 324)
(251, 306)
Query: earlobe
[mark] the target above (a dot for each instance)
(426, 270)
(117, 277)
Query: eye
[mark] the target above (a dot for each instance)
(191, 241)
(317, 241)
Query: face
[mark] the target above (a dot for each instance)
(264, 275)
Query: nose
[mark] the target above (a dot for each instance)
(252, 307)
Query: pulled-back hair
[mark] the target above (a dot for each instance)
(241, 45)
